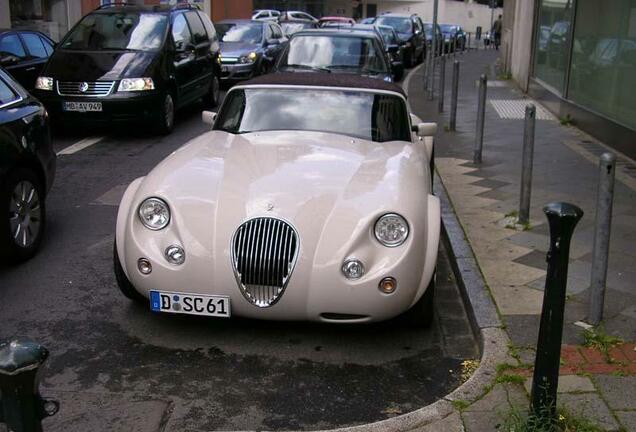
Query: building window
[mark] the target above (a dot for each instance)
(553, 42)
(47, 16)
(603, 73)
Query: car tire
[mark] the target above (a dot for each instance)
(166, 115)
(214, 95)
(22, 201)
(124, 284)
(422, 313)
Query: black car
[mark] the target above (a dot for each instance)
(428, 31)
(23, 53)
(27, 168)
(131, 63)
(249, 48)
(410, 31)
(394, 50)
(336, 51)
(454, 37)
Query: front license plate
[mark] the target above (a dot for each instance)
(83, 106)
(191, 304)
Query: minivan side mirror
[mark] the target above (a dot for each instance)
(208, 117)
(425, 129)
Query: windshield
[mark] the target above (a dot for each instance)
(341, 53)
(247, 33)
(401, 25)
(428, 30)
(388, 36)
(373, 117)
(447, 28)
(118, 31)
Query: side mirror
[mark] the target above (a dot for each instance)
(208, 117)
(425, 129)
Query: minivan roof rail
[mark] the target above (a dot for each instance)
(112, 4)
(184, 5)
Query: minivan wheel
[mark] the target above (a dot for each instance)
(166, 115)
(214, 95)
(22, 227)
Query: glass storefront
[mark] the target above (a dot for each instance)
(47, 16)
(553, 42)
(603, 71)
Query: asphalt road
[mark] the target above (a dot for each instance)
(116, 366)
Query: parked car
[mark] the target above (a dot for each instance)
(428, 31)
(369, 20)
(27, 169)
(410, 30)
(336, 51)
(291, 27)
(249, 48)
(266, 15)
(23, 54)
(297, 15)
(335, 20)
(451, 37)
(392, 47)
(132, 63)
(311, 200)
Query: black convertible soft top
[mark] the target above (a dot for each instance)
(319, 79)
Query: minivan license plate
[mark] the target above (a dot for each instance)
(191, 304)
(83, 106)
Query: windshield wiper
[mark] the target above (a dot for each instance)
(307, 67)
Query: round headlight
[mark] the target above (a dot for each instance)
(154, 213)
(353, 268)
(391, 230)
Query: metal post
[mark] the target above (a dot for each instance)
(481, 116)
(431, 78)
(442, 83)
(526, 167)
(562, 218)
(470, 36)
(602, 232)
(455, 46)
(454, 92)
(21, 406)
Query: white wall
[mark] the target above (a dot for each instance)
(469, 15)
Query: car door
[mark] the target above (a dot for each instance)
(277, 48)
(184, 59)
(37, 56)
(419, 39)
(204, 57)
(13, 57)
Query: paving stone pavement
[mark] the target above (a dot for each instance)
(513, 262)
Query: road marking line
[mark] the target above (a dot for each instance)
(80, 145)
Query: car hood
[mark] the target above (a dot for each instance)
(99, 65)
(237, 49)
(306, 178)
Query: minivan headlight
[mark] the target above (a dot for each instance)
(44, 83)
(136, 84)
(391, 230)
(154, 213)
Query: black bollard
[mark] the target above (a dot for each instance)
(562, 218)
(21, 406)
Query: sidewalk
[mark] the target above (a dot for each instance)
(598, 381)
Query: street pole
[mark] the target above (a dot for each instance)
(562, 219)
(442, 83)
(492, 16)
(431, 78)
(481, 117)
(526, 167)
(455, 89)
(600, 254)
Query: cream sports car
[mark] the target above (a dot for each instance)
(310, 199)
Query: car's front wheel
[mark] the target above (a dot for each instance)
(214, 95)
(422, 313)
(166, 115)
(124, 284)
(22, 227)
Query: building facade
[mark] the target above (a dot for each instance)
(55, 17)
(579, 58)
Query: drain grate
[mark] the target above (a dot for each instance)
(515, 109)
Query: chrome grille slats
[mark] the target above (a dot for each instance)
(264, 253)
(93, 88)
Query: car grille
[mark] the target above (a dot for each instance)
(264, 253)
(85, 88)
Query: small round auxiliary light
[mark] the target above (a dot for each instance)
(175, 255)
(353, 268)
(144, 266)
(388, 285)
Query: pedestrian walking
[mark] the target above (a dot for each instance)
(496, 31)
